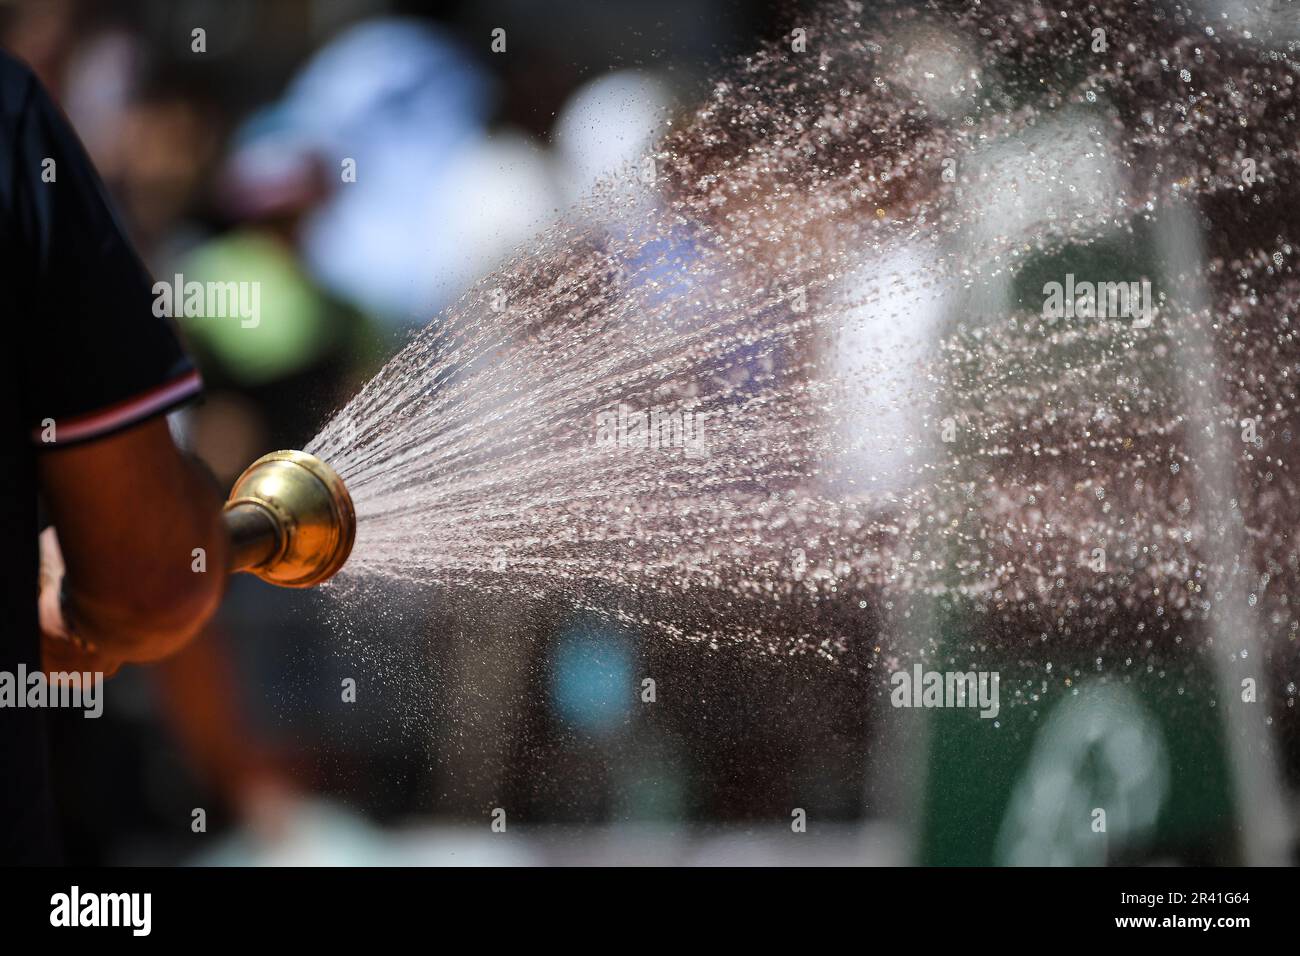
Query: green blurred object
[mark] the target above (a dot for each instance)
(297, 324)
(1024, 788)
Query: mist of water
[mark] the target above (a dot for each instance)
(820, 283)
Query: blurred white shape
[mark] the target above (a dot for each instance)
(607, 123)
(883, 344)
(497, 193)
(938, 67)
(311, 833)
(1099, 749)
(1057, 178)
(316, 832)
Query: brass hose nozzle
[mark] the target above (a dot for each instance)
(290, 520)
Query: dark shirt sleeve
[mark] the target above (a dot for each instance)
(96, 358)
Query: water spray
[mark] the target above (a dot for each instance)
(290, 520)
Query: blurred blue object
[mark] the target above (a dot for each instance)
(400, 100)
(390, 82)
(592, 684)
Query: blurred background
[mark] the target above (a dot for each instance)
(225, 166)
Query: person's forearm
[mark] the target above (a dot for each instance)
(188, 590)
(146, 561)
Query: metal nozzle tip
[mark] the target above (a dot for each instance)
(291, 520)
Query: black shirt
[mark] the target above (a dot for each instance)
(82, 356)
